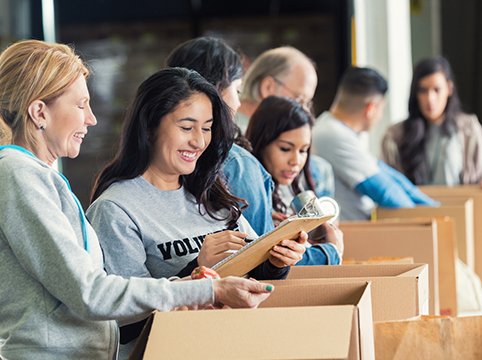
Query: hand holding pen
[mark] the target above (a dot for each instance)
(218, 245)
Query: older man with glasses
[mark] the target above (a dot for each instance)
(282, 71)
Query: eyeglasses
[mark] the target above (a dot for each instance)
(299, 98)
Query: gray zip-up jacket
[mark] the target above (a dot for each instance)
(56, 301)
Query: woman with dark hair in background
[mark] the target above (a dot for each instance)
(438, 143)
(160, 207)
(280, 133)
(246, 178)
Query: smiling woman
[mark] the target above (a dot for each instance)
(160, 206)
(180, 141)
(63, 121)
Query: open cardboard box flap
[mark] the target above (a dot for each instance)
(312, 292)
(376, 270)
(399, 291)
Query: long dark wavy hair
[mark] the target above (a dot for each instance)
(216, 61)
(413, 142)
(156, 97)
(274, 116)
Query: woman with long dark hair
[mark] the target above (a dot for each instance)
(280, 134)
(160, 206)
(438, 143)
(245, 177)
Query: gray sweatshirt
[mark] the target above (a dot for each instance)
(149, 232)
(56, 301)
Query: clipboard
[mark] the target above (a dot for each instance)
(257, 251)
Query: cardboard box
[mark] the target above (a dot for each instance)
(399, 292)
(354, 296)
(447, 256)
(430, 338)
(443, 193)
(463, 214)
(399, 239)
(330, 322)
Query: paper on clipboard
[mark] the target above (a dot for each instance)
(257, 251)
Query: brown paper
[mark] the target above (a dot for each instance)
(430, 338)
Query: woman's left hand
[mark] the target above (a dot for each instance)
(288, 252)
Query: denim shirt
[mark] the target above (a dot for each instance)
(323, 176)
(320, 254)
(247, 178)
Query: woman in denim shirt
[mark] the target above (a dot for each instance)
(280, 134)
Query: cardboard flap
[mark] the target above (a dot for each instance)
(313, 292)
(365, 320)
(420, 269)
(397, 291)
(378, 270)
(463, 214)
(278, 333)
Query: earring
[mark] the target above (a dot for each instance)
(41, 127)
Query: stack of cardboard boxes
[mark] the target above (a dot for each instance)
(319, 312)
(351, 311)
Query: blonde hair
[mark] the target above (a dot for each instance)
(275, 62)
(5, 133)
(33, 70)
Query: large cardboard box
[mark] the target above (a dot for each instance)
(399, 291)
(443, 193)
(430, 338)
(364, 240)
(355, 295)
(296, 322)
(461, 211)
(447, 256)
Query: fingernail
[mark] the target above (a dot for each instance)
(269, 288)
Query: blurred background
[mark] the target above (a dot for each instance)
(124, 41)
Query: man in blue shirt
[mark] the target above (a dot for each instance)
(361, 181)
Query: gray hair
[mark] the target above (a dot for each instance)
(274, 62)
